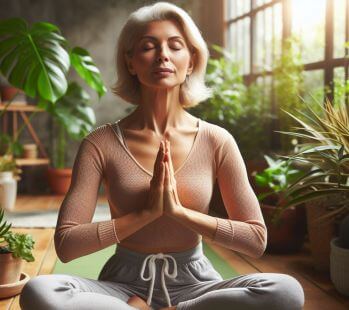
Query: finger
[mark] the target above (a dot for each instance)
(167, 176)
(162, 173)
(159, 158)
(172, 179)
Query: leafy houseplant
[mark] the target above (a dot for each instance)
(14, 248)
(325, 187)
(239, 109)
(285, 234)
(235, 106)
(37, 60)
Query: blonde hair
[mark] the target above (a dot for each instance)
(193, 90)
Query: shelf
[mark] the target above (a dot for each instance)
(20, 106)
(32, 161)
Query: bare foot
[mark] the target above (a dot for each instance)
(138, 302)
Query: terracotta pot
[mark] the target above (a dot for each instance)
(288, 234)
(320, 234)
(59, 180)
(9, 92)
(10, 268)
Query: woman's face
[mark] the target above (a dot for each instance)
(161, 46)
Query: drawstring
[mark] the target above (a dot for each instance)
(152, 273)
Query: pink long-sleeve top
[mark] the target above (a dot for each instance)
(103, 157)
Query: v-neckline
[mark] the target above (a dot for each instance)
(199, 125)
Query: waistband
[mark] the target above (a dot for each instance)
(180, 257)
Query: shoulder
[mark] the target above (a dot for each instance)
(217, 135)
(99, 134)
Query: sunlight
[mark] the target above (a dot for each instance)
(307, 14)
(308, 22)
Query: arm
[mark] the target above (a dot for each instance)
(245, 230)
(75, 235)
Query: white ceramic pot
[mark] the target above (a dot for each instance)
(339, 267)
(8, 190)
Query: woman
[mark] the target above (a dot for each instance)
(159, 166)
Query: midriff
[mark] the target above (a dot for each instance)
(144, 250)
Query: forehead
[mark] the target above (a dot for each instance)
(162, 29)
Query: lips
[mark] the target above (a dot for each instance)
(163, 70)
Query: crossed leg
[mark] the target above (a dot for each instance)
(272, 291)
(60, 291)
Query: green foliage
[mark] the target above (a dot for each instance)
(85, 67)
(73, 116)
(277, 176)
(4, 227)
(20, 245)
(10, 146)
(235, 106)
(34, 59)
(37, 60)
(288, 84)
(326, 151)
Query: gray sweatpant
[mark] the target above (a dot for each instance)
(186, 279)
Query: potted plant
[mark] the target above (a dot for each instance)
(42, 74)
(286, 233)
(9, 175)
(236, 107)
(14, 249)
(325, 187)
(72, 118)
(339, 258)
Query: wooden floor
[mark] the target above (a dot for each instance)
(319, 291)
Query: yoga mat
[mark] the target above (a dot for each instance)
(90, 265)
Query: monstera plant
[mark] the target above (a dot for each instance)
(37, 60)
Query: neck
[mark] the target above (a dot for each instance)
(160, 110)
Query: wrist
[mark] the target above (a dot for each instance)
(179, 213)
(149, 214)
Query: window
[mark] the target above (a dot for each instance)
(255, 29)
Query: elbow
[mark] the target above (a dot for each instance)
(261, 245)
(61, 251)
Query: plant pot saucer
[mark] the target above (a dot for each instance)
(13, 289)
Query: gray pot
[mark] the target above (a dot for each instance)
(339, 267)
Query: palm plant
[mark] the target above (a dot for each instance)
(37, 60)
(326, 152)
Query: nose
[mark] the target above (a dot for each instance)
(163, 56)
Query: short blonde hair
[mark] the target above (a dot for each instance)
(193, 90)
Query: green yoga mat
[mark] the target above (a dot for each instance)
(90, 265)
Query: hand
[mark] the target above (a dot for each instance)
(155, 197)
(172, 205)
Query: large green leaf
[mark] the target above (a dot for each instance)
(34, 59)
(86, 68)
(72, 112)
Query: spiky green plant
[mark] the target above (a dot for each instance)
(326, 151)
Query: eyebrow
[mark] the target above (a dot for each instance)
(154, 38)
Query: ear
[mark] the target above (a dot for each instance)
(191, 64)
(129, 65)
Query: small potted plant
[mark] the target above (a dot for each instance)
(9, 175)
(286, 233)
(14, 249)
(339, 258)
